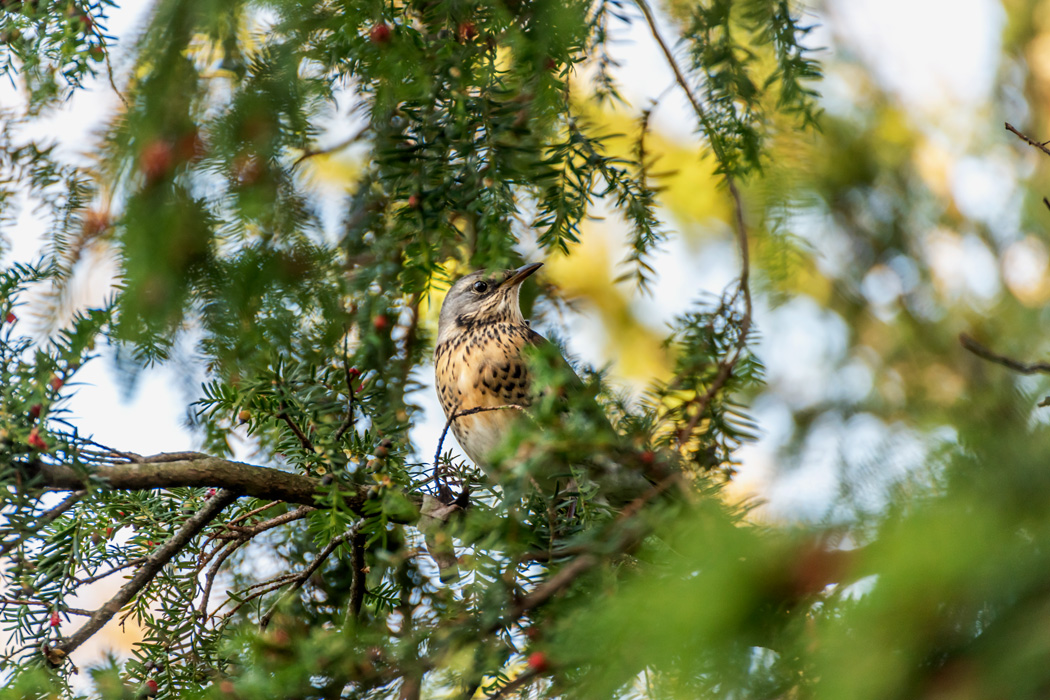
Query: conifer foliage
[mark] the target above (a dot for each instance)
(310, 571)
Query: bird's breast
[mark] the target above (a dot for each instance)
(483, 368)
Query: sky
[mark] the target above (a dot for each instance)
(940, 70)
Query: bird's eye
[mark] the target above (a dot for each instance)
(481, 286)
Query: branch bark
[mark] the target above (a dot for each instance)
(154, 563)
(237, 477)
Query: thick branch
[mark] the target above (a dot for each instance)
(154, 563)
(237, 477)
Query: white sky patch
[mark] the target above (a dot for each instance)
(936, 55)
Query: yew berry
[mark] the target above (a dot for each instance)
(244, 415)
(56, 383)
(380, 322)
(155, 159)
(538, 661)
(55, 621)
(413, 201)
(647, 457)
(151, 687)
(34, 410)
(10, 317)
(35, 441)
(380, 33)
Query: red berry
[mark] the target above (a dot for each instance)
(109, 532)
(538, 661)
(55, 621)
(647, 457)
(211, 492)
(34, 410)
(380, 33)
(413, 201)
(56, 382)
(151, 687)
(244, 415)
(354, 372)
(155, 159)
(380, 322)
(226, 686)
(10, 317)
(35, 441)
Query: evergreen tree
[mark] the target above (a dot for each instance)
(486, 129)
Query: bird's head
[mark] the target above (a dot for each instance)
(483, 297)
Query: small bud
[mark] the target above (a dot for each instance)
(211, 492)
(466, 31)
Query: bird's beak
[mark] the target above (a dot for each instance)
(520, 275)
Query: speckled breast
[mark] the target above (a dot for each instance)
(483, 367)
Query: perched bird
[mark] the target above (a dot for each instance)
(478, 360)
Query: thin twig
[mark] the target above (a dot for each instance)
(303, 440)
(349, 421)
(357, 561)
(305, 574)
(45, 604)
(260, 509)
(152, 566)
(110, 572)
(1016, 365)
(45, 518)
(526, 677)
(1031, 142)
(726, 366)
(349, 141)
(438, 473)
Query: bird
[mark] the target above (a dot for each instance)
(479, 361)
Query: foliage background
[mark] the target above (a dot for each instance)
(911, 217)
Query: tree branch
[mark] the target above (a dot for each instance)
(725, 369)
(1031, 142)
(153, 565)
(1016, 365)
(305, 574)
(237, 477)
